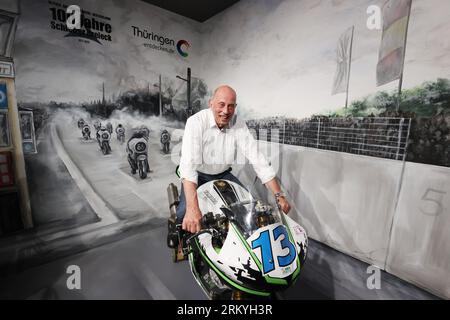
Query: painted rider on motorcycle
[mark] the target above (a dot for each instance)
(137, 145)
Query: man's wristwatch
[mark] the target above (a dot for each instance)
(279, 194)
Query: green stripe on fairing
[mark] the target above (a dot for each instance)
(232, 283)
(191, 262)
(297, 271)
(268, 279)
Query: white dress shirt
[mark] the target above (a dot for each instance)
(211, 150)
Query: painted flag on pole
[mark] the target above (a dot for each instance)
(393, 41)
(343, 57)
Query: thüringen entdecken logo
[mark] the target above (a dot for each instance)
(183, 44)
(162, 43)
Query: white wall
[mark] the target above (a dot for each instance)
(343, 200)
(420, 247)
(355, 204)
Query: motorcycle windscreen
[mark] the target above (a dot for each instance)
(250, 215)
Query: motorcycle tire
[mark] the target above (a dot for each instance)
(142, 169)
(105, 148)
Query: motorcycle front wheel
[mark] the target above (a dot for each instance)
(142, 169)
(105, 148)
(166, 148)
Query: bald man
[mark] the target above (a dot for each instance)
(210, 140)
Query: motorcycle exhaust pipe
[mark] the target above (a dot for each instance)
(174, 199)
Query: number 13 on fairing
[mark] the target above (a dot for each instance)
(276, 248)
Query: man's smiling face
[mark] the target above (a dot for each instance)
(223, 105)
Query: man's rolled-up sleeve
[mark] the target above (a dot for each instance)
(249, 147)
(191, 151)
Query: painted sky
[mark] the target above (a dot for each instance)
(280, 55)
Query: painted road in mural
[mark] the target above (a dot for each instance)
(137, 266)
(110, 175)
(49, 176)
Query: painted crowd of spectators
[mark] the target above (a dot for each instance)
(385, 135)
(429, 140)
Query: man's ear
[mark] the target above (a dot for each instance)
(210, 103)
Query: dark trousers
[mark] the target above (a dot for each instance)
(202, 179)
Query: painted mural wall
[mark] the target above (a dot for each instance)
(281, 55)
(127, 65)
(140, 42)
(281, 58)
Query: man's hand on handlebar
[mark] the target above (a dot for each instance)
(191, 221)
(284, 204)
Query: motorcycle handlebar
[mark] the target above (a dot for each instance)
(203, 231)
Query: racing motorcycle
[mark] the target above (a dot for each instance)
(103, 138)
(86, 132)
(80, 123)
(165, 141)
(120, 132)
(137, 148)
(246, 249)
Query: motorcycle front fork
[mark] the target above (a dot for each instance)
(134, 166)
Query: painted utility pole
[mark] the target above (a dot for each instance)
(188, 80)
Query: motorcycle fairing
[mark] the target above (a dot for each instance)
(225, 191)
(104, 136)
(274, 251)
(210, 199)
(133, 142)
(236, 263)
(299, 236)
(230, 271)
